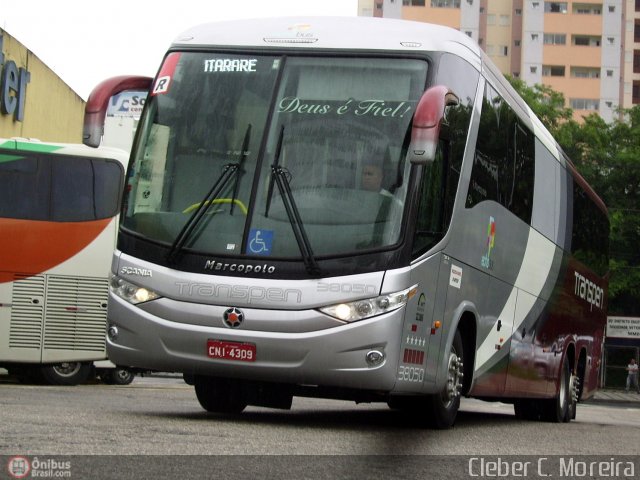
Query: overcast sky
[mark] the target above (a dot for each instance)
(86, 41)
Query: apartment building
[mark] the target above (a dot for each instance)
(587, 49)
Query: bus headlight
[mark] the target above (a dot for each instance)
(130, 292)
(370, 307)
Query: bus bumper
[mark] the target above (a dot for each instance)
(331, 357)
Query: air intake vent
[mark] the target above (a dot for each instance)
(76, 313)
(25, 329)
(291, 40)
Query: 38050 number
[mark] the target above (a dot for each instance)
(410, 374)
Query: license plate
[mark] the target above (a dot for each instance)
(242, 352)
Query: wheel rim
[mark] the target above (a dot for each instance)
(454, 379)
(563, 390)
(574, 388)
(67, 369)
(123, 375)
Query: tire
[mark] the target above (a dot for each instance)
(66, 373)
(118, 376)
(220, 395)
(562, 407)
(526, 409)
(444, 405)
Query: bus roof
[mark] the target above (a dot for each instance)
(357, 33)
(78, 149)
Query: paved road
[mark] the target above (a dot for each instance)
(159, 416)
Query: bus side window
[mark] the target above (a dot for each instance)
(590, 239)
(504, 163)
(440, 179)
(84, 189)
(24, 186)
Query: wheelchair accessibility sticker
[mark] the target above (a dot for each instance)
(260, 242)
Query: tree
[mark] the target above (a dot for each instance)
(607, 155)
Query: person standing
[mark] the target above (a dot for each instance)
(632, 377)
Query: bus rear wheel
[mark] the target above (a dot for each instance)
(220, 395)
(562, 408)
(66, 373)
(445, 405)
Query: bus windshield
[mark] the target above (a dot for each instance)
(230, 144)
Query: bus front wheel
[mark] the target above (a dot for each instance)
(220, 395)
(444, 405)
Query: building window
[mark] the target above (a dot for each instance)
(611, 40)
(555, 39)
(553, 70)
(533, 69)
(585, 72)
(584, 104)
(503, 50)
(491, 19)
(444, 3)
(586, 40)
(516, 43)
(490, 49)
(609, 73)
(505, 20)
(636, 92)
(413, 3)
(534, 37)
(636, 61)
(518, 12)
(587, 9)
(555, 7)
(537, 4)
(612, 8)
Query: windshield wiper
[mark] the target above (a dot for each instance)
(245, 152)
(229, 170)
(281, 177)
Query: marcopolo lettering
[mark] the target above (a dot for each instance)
(13, 87)
(238, 267)
(230, 65)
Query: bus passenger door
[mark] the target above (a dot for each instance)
(494, 334)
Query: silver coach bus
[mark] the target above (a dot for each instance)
(353, 208)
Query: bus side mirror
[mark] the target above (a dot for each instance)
(95, 110)
(427, 120)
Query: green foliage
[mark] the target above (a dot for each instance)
(607, 155)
